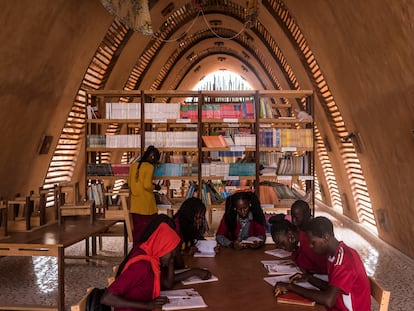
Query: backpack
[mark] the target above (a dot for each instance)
(93, 302)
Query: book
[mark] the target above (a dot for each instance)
(295, 299)
(181, 299)
(196, 280)
(251, 240)
(277, 269)
(205, 248)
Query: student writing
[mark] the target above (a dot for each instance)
(348, 286)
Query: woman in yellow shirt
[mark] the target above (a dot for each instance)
(143, 207)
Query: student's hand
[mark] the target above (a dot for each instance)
(192, 250)
(203, 274)
(280, 288)
(239, 245)
(158, 302)
(256, 244)
(217, 248)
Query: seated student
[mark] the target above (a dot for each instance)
(191, 224)
(139, 278)
(288, 237)
(301, 214)
(243, 218)
(348, 286)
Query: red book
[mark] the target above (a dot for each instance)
(294, 299)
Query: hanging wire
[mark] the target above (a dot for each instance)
(200, 11)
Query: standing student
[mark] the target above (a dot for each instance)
(191, 223)
(243, 218)
(288, 237)
(143, 207)
(138, 284)
(348, 286)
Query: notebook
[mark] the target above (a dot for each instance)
(294, 299)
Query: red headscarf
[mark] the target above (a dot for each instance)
(161, 242)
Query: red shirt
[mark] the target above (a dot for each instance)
(346, 272)
(306, 258)
(255, 229)
(136, 283)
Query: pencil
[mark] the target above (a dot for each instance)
(277, 292)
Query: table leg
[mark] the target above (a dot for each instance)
(61, 279)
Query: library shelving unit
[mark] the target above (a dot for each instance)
(212, 143)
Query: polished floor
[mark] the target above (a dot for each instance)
(33, 280)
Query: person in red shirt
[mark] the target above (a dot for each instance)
(348, 285)
(243, 218)
(288, 237)
(138, 284)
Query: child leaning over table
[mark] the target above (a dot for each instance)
(147, 269)
(348, 286)
(243, 218)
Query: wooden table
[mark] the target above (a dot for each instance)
(240, 286)
(51, 240)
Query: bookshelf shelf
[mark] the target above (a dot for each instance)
(260, 128)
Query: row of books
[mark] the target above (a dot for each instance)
(107, 169)
(113, 141)
(96, 192)
(293, 165)
(276, 137)
(243, 110)
(176, 169)
(172, 139)
(157, 111)
(228, 169)
(174, 111)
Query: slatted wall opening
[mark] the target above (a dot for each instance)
(349, 156)
(69, 144)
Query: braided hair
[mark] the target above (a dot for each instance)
(146, 157)
(230, 214)
(186, 216)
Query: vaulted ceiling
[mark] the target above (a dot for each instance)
(357, 56)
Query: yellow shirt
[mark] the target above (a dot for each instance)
(142, 198)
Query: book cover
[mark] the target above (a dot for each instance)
(295, 299)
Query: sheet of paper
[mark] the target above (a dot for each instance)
(181, 299)
(275, 269)
(281, 253)
(205, 248)
(197, 280)
(272, 280)
(251, 240)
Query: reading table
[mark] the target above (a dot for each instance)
(240, 284)
(51, 240)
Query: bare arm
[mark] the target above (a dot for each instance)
(116, 301)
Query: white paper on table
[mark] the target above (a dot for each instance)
(205, 248)
(183, 299)
(281, 253)
(196, 280)
(272, 280)
(251, 240)
(275, 269)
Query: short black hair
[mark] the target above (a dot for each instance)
(303, 206)
(319, 226)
